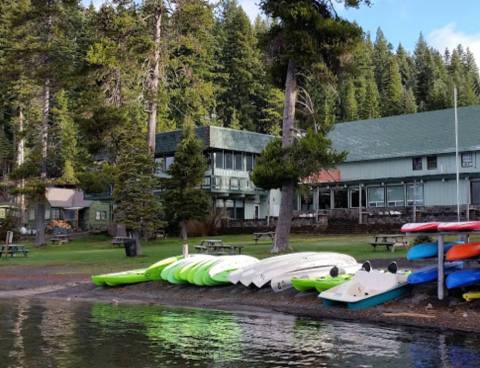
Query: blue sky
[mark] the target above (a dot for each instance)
(444, 23)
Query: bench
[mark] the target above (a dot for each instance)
(390, 241)
(269, 235)
(60, 239)
(217, 248)
(13, 250)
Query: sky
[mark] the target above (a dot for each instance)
(444, 23)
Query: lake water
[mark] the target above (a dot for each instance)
(61, 334)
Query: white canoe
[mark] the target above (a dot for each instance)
(284, 281)
(226, 263)
(364, 285)
(319, 259)
(245, 274)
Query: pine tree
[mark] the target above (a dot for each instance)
(136, 205)
(406, 67)
(381, 57)
(186, 200)
(67, 140)
(240, 62)
(349, 102)
(302, 39)
(192, 63)
(408, 104)
(392, 93)
(370, 108)
(425, 70)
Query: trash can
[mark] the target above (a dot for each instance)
(130, 247)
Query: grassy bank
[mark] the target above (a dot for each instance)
(97, 254)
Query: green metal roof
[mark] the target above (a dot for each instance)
(216, 138)
(408, 135)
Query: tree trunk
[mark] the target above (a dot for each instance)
(44, 132)
(284, 223)
(138, 244)
(40, 224)
(154, 80)
(20, 161)
(184, 237)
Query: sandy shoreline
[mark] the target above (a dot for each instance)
(420, 309)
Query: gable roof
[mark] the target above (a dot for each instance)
(66, 198)
(408, 135)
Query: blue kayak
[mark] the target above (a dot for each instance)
(426, 250)
(430, 273)
(463, 278)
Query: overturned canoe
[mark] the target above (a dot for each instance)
(463, 251)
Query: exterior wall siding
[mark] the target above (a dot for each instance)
(444, 193)
(401, 168)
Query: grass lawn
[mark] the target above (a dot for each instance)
(95, 254)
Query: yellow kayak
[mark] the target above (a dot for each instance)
(471, 296)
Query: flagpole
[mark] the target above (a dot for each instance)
(457, 158)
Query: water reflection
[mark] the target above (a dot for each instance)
(53, 334)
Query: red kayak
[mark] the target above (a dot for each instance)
(463, 251)
(421, 227)
(459, 226)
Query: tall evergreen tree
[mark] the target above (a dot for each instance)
(303, 37)
(136, 205)
(392, 89)
(186, 200)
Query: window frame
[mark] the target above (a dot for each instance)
(429, 161)
(415, 160)
(467, 164)
(369, 203)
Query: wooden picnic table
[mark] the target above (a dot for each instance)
(60, 239)
(217, 247)
(13, 250)
(269, 234)
(389, 241)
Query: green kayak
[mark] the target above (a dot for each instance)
(223, 277)
(120, 278)
(154, 272)
(319, 283)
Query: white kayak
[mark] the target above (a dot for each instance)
(365, 285)
(246, 274)
(226, 263)
(319, 259)
(284, 281)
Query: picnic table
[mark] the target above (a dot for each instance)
(13, 250)
(269, 234)
(217, 247)
(60, 239)
(389, 241)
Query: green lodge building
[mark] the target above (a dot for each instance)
(393, 164)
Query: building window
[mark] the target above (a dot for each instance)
(431, 162)
(159, 165)
(415, 194)
(249, 162)
(217, 182)
(54, 213)
(306, 201)
(207, 182)
(219, 160)
(239, 209)
(238, 161)
(230, 208)
(229, 160)
(100, 215)
(3, 213)
(376, 196)
(234, 184)
(417, 163)
(168, 162)
(467, 159)
(355, 197)
(324, 199)
(31, 214)
(395, 195)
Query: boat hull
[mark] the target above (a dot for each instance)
(463, 251)
(463, 278)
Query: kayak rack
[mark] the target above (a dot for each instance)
(440, 235)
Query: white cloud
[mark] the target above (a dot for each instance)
(449, 36)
